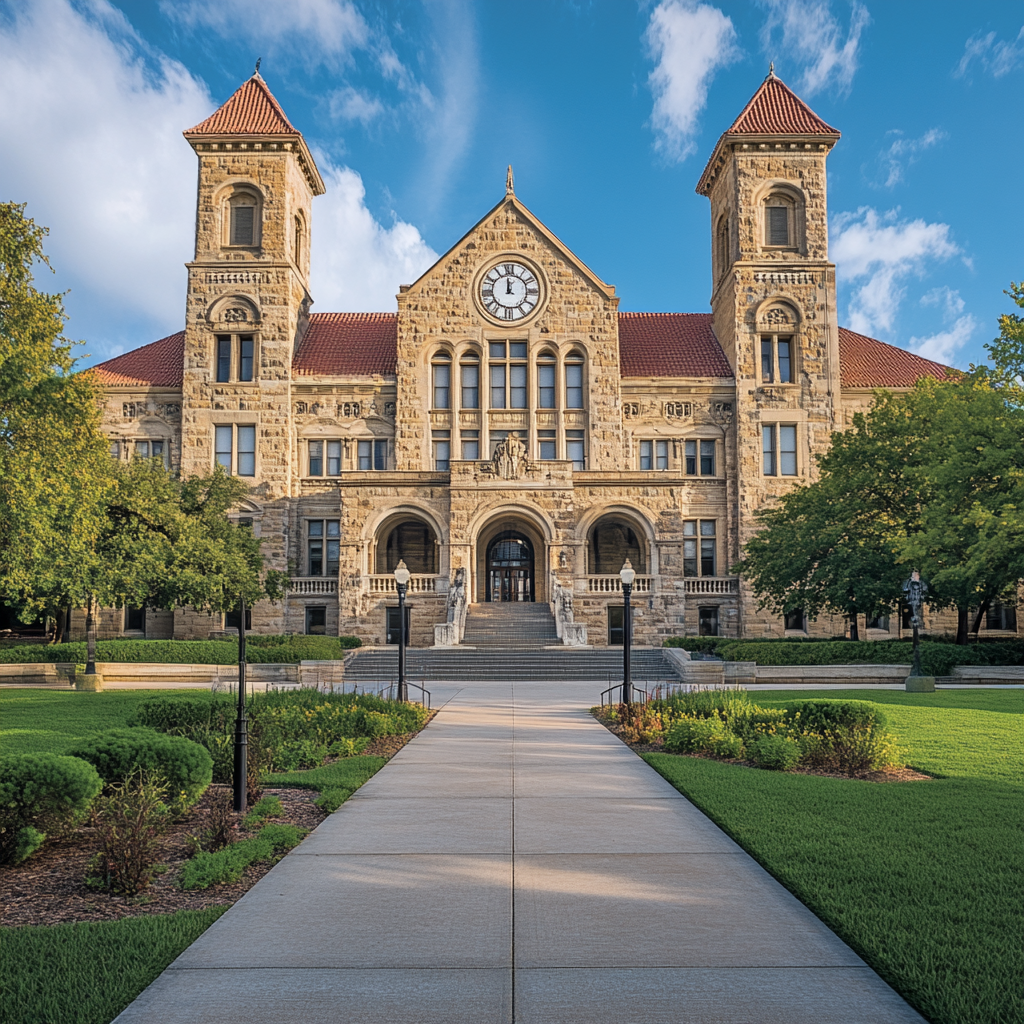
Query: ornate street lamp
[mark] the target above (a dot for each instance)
(402, 577)
(241, 721)
(627, 574)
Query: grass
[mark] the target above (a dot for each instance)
(88, 973)
(924, 880)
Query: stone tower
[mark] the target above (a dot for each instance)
(773, 299)
(248, 300)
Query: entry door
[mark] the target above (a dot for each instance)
(393, 633)
(510, 585)
(510, 569)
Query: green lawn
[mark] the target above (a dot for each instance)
(926, 879)
(88, 973)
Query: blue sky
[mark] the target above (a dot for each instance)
(607, 110)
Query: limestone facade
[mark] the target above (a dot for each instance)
(368, 437)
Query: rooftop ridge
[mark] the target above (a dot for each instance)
(250, 110)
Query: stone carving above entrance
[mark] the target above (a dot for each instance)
(510, 461)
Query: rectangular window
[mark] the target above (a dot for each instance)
(115, 449)
(707, 547)
(470, 386)
(316, 548)
(245, 355)
(574, 385)
(316, 458)
(707, 458)
(691, 458)
(876, 622)
(795, 619)
(768, 451)
(157, 450)
(497, 349)
(242, 222)
(324, 546)
(575, 448)
(616, 617)
(787, 450)
(441, 440)
(232, 618)
(498, 386)
(546, 386)
(517, 385)
(785, 361)
(142, 449)
(223, 358)
(778, 225)
(517, 350)
(471, 445)
(707, 621)
(653, 455)
(442, 384)
(372, 455)
(547, 445)
(1001, 616)
(334, 458)
(646, 454)
(316, 620)
(767, 362)
(222, 446)
(246, 451)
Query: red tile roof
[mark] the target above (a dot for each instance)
(252, 110)
(348, 343)
(670, 345)
(776, 110)
(869, 363)
(160, 364)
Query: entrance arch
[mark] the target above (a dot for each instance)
(613, 539)
(407, 538)
(531, 534)
(510, 568)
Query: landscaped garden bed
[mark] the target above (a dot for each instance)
(189, 856)
(924, 881)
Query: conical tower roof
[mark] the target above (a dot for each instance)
(251, 110)
(773, 111)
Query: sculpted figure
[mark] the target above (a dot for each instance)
(915, 590)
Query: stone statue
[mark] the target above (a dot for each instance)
(915, 590)
(565, 596)
(456, 593)
(509, 458)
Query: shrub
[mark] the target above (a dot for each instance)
(778, 753)
(41, 794)
(227, 865)
(129, 821)
(217, 824)
(850, 749)
(819, 715)
(699, 644)
(694, 735)
(701, 703)
(183, 716)
(186, 767)
(728, 745)
(640, 723)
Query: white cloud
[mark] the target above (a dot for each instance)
(943, 346)
(92, 123)
(357, 264)
(350, 104)
(319, 29)
(690, 42)
(813, 37)
(995, 56)
(947, 298)
(903, 152)
(884, 251)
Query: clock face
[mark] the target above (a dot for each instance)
(509, 292)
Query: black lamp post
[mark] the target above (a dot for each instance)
(241, 722)
(402, 577)
(627, 574)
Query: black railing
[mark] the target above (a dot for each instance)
(390, 691)
(640, 695)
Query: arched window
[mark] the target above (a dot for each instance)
(469, 370)
(300, 242)
(441, 367)
(412, 541)
(612, 540)
(574, 381)
(546, 388)
(722, 245)
(243, 219)
(781, 221)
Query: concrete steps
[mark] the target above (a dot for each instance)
(510, 625)
(509, 664)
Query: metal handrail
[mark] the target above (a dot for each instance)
(618, 686)
(391, 687)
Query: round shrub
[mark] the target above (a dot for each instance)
(40, 794)
(694, 735)
(729, 745)
(186, 767)
(778, 753)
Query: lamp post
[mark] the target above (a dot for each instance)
(402, 577)
(627, 574)
(241, 722)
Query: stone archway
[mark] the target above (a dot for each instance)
(613, 539)
(511, 559)
(406, 537)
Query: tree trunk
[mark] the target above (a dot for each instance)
(854, 633)
(90, 636)
(62, 626)
(982, 608)
(962, 615)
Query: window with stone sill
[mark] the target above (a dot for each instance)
(574, 381)
(700, 458)
(777, 351)
(325, 458)
(235, 448)
(235, 357)
(372, 455)
(700, 547)
(469, 370)
(547, 445)
(441, 442)
(470, 445)
(547, 368)
(778, 448)
(576, 449)
(243, 220)
(653, 455)
(507, 368)
(795, 620)
(152, 449)
(441, 370)
(780, 222)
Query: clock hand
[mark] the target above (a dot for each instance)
(508, 285)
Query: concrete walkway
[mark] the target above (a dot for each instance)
(516, 862)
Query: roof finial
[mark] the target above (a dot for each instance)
(510, 186)
(771, 70)
(259, 61)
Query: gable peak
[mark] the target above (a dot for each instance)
(250, 110)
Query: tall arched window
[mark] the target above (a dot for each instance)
(243, 219)
(300, 243)
(469, 370)
(546, 373)
(722, 245)
(782, 221)
(574, 381)
(442, 373)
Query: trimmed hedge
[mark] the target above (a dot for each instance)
(41, 793)
(259, 650)
(938, 658)
(186, 767)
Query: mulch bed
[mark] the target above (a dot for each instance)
(657, 747)
(49, 888)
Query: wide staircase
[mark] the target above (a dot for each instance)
(507, 643)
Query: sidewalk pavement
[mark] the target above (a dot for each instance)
(516, 862)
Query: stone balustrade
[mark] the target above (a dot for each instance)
(384, 583)
(711, 585)
(613, 585)
(313, 585)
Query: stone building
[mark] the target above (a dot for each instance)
(508, 427)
